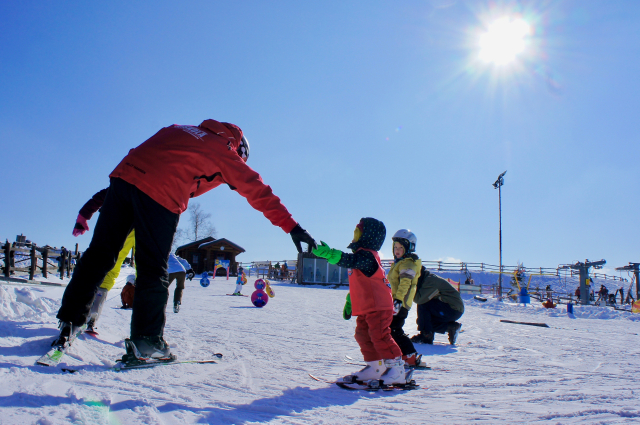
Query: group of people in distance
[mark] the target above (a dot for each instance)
(608, 298)
(152, 186)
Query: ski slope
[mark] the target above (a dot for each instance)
(580, 370)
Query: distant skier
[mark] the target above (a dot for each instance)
(178, 269)
(128, 292)
(403, 276)
(149, 190)
(371, 302)
(240, 281)
(603, 295)
(439, 308)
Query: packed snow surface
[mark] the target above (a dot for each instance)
(581, 369)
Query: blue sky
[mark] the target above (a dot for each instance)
(353, 109)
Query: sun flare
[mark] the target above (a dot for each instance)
(504, 40)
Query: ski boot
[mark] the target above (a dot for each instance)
(68, 332)
(144, 348)
(176, 306)
(423, 338)
(91, 326)
(453, 330)
(414, 360)
(372, 371)
(395, 373)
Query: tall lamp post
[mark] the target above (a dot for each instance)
(498, 185)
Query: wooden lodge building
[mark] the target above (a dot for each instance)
(203, 253)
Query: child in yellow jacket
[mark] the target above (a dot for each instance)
(403, 277)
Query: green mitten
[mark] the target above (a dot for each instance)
(346, 311)
(324, 251)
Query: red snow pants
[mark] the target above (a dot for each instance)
(373, 334)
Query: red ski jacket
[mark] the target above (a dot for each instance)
(369, 293)
(182, 161)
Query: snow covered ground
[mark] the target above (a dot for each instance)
(580, 370)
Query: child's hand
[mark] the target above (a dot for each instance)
(324, 251)
(346, 311)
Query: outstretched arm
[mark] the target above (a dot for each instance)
(87, 211)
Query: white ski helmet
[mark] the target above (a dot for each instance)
(407, 239)
(243, 149)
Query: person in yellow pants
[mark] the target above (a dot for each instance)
(108, 282)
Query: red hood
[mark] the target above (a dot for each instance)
(227, 130)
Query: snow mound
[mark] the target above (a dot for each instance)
(24, 303)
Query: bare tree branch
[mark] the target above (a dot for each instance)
(200, 224)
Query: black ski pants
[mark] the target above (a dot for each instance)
(435, 316)
(126, 207)
(398, 335)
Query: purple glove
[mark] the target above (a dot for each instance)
(81, 226)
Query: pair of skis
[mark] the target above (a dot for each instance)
(372, 385)
(376, 384)
(53, 357)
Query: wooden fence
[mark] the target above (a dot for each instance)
(13, 255)
(509, 270)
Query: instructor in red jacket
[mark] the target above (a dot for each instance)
(148, 191)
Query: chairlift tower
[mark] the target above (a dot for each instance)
(498, 185)
(635, 268)
(583, 268)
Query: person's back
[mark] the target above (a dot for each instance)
(431, 286)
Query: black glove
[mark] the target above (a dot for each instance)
(397, 305)
(190, 274)
(298, 234)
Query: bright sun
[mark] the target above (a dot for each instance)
(504, 40)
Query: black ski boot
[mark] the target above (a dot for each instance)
(141, 349)
(453, 330)
(67, 334)
(422, 338)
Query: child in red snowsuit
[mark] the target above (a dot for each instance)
(371, 302)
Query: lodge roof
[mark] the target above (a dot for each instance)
(204, 243)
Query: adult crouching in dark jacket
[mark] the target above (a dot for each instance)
(439, 308)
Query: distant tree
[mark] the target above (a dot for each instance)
(200, 226)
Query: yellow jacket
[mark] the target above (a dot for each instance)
(403, 277)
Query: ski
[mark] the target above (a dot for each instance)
(235, 295)
(374, 385)
(145, 364)
(542, 325)
(57, 352)
(421, 366)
